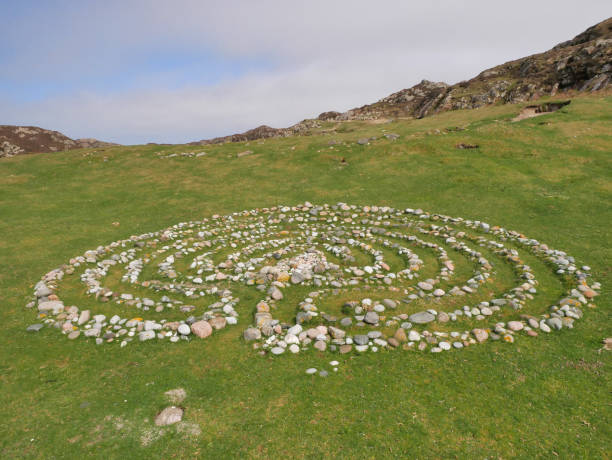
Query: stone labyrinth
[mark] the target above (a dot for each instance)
(333, 277)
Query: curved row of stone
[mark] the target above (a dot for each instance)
(273, 249)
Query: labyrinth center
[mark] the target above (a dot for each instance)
(339, 277)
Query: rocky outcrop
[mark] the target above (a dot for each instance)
(90, 143)
(16, 140)
(264, 132)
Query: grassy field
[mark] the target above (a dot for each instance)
(549, 177)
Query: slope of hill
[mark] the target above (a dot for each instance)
(15, 140)
(581, 64)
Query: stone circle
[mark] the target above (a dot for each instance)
(338, 278)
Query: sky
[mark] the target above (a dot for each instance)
(137, 71)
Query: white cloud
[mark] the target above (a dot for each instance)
(327, 55)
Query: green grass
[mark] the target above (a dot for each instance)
(549, 177)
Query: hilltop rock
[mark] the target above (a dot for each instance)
(264, 132)
(16, 140)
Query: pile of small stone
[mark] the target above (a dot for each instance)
(182, 154)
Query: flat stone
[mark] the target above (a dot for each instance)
(74, 334)
(169, 416)
(361, 339)
(389, 303)
(345, 349)
(346, 322)
(422, 317)
(43, 291)
(277, 350)
(515, 326)
(142, 336)
(53, 306)
(425, 286)
(311, 371)
(34, 328)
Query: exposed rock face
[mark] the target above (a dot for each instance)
(329, 115)
(15, 140)
(264, 132)
(583, 64)
(90, 143)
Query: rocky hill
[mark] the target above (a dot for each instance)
(16, 140)
(263, 132)
(581, 64)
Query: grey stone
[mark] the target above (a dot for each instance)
(144, 335)
(34, 328)
(371, 317)
(555, 323)
(43, 291)
(251, 334)
(361, 339)
(389, 303)
(53, 306)
(422, 317)
(297, 277)
(425, 285)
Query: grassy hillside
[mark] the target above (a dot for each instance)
(549, 177)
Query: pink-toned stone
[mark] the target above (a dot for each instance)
(218, 322)
(202, 329)
(480, 334)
